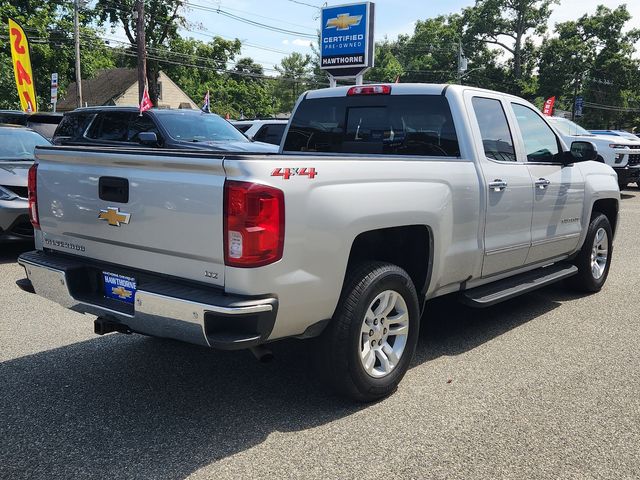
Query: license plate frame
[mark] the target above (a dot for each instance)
(121, 288)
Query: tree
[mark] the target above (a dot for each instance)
(507, 24)
(49, 26)
(163, 18)
(295, 71)
(593, 56)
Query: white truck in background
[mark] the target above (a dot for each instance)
(620, 153)
(382, 197)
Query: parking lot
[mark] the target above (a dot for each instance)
(544, 386)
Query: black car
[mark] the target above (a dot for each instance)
(161, 128)
(44, 123)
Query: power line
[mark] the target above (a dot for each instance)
(249, 21)
(305, 4)
(278, 20)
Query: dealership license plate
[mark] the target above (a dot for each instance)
(119, 287)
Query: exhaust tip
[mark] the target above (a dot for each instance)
(262, 353)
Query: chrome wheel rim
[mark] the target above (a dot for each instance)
(384, 334)
(599, 253)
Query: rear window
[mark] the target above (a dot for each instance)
(376, 124)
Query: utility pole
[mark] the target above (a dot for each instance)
(76, 27)
(140, 43)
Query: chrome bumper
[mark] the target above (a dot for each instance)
(230, 322)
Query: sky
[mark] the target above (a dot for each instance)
(393, 17)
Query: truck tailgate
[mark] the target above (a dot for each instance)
(158, 211)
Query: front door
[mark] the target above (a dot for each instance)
(559, 189)
(509, 194)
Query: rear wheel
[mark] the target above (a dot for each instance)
(367, 348)
(594, 258)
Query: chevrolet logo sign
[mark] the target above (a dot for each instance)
(344, 21)
(121, 292)
(114, 216)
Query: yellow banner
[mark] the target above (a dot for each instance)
(22, 67)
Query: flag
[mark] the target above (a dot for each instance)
(145, 103)
(548, 106)
(206, 107)
(22, 67)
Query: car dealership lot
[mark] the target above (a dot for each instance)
(544, 386)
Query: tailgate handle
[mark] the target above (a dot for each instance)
(113, 189)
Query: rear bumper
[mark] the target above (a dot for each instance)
(14, 220)
(163, 307)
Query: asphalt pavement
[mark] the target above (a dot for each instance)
(544, 386)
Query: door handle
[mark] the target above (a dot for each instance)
(542, 183)
(497, 185)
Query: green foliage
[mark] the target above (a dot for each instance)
(592, 56)
(295, 77)
(49, 26)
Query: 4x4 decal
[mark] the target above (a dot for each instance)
(287, 173)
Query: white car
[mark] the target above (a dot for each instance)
(622, 154)
(267, 131)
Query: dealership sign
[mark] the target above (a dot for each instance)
(346, 38)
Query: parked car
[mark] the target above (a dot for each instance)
(616, 133)
(382, 198)
(156, 128)
(621, 154)
(44, 123)
(17, 146)
(269, 131)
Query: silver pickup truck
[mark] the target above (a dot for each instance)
(382, 197)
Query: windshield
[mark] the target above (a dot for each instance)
(17, 144)
(567, 127)
(207, 127)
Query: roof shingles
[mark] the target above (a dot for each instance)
(106, 86)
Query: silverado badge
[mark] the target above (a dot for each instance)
(114, 216)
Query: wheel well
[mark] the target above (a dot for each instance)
(409, 247)
(609, 208)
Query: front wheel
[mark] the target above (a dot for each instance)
(366, 350)
(594, 258)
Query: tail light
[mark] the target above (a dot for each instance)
(369, 90)
(32, 193)
(253, 224)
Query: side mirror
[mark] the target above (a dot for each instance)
(582, 151)
(150, 139)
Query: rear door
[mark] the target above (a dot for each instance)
(559, 189)
(509, 196)
(151, 210)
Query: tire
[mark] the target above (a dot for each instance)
(345, 358)
(622, 185)
(590, 278)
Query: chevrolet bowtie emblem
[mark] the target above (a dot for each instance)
(344, 21)
(121, 292)
(114, 216)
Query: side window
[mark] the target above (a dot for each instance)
(141, 124)
(110, 126)
(494, 128)
(540, 143)
(73, 125)
(270, 133)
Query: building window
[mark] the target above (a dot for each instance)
(159, 90)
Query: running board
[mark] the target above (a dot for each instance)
(511, 287)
